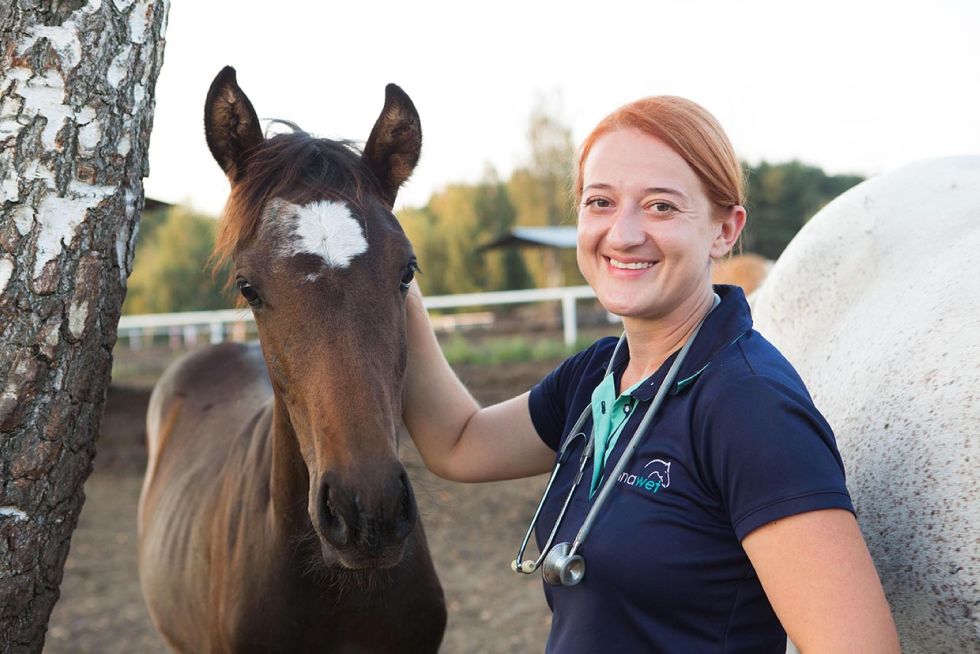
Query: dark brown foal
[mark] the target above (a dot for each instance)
(275, 515)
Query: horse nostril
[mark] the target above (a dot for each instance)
(332, 524)
(408, 511)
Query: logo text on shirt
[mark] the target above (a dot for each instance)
(654, 476)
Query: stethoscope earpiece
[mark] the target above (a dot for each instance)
(526, 567)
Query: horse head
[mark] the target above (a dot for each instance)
(324, 265)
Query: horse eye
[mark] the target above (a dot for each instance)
(249, 293)
(409, 274)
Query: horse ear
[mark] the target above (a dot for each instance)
(230, 124)
(395, 143)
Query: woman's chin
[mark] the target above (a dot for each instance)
(634, 308)
(626, 309)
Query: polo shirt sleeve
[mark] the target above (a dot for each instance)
(769, 453)
(549, 399)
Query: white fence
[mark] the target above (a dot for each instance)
(185, 325)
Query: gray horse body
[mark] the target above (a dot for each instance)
(876, 304)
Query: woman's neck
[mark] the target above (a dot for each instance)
(652, 341)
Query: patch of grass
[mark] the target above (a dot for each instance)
(458, 350)
(492, 351)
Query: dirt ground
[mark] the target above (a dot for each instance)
(473, 533)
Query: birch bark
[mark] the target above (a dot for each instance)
(76, 108)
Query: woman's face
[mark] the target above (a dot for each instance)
(646, 228)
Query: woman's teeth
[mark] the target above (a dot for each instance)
(639, 265)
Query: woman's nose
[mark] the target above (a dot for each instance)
(627, 230)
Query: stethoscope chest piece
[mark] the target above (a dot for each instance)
(562, 567)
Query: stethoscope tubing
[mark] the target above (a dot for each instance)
(528, 567)
(624, 459)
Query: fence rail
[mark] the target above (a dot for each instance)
(186, 323)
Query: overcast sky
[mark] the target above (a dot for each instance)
(857, 86)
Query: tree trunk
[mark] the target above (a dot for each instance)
(76, 107)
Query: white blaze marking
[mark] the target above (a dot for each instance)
(326, 229)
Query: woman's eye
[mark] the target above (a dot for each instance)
(249, 293)
(662, 207)
(600, 203)
(409, 274)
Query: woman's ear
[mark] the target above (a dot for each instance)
(729, 228)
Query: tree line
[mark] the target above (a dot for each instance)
(171, 270)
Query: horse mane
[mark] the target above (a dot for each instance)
(298, 164)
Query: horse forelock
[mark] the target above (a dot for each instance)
(297, 167)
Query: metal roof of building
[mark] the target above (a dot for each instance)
(559, 237)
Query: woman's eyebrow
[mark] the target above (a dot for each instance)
(652, 189)
(664, 189)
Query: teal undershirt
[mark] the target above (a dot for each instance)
(609, 416)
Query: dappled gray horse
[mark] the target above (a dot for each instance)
(877, 305)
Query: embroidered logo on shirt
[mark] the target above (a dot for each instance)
(654, 476)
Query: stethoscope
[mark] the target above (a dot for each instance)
(562, 564)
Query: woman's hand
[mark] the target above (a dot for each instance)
(456, 438)
(822, 584)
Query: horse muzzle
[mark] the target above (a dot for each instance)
(364, 524)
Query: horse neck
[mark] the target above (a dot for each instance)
(290, 482)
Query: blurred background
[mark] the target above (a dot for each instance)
(815, 97)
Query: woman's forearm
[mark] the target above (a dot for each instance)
(437, 406)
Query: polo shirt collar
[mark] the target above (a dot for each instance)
(729, 321)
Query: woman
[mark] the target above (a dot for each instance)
(731, 521)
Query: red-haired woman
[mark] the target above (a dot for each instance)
(728, 520)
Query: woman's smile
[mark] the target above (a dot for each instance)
(628, 264)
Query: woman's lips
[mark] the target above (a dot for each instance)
(630, 268)
(632, 265)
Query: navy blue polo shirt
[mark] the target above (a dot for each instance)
(736, 444)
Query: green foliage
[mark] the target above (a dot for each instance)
(169, 271)
(504, 269)
(542, 192)
(782, 198)
(447, 232)
(429, 242)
